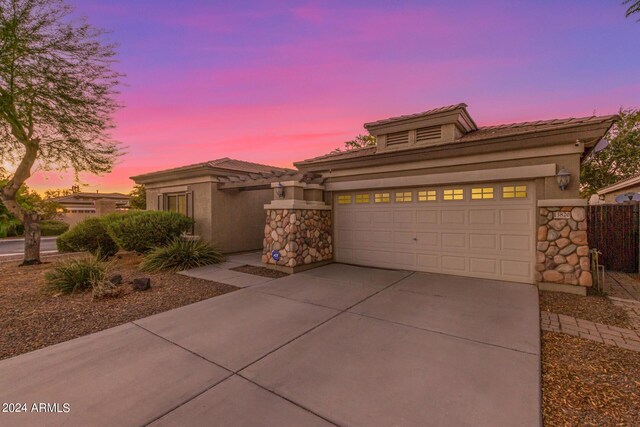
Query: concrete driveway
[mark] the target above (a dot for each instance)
(337, 345)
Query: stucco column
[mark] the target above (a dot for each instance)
(562, 256)
(297, 232)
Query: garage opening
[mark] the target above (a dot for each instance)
(484, 230)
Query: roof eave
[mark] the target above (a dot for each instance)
(591, 131)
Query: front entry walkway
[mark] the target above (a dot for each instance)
(337, 345)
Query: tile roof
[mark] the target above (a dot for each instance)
(242, 166)
(235, 167)
(438, 110)
(483, 133)
(634, 180)
(74, 197)
(512, 129)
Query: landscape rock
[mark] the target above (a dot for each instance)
(141, 284)
(116, 279)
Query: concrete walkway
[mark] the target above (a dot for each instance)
(222, 272)
(622, 285)
(338, 345)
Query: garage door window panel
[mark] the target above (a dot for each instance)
(427, 196)
(344, 199)
(381, 198)
(514, 192)
(453, 194)
(362, 198)
(404, 197)
(482, 193)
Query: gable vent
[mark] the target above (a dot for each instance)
(398, 138)
(428, 134)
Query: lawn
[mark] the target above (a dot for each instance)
(584, 382)
(33, 317)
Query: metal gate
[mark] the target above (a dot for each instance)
(614, 231)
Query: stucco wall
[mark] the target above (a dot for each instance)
(548, 190)
(611, 197)
(238, 218)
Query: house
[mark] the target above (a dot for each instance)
(230, 218)
(437, 194)
(625, 191)
(81, 205)
(85, 202)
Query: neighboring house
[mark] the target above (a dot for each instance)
(79, 206)
(620, 192)
(86, 202)
(437, 194)
(232, 219)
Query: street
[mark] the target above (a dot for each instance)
(16, 246)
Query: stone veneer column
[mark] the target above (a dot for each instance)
(562, 256)
(298, 228)
(301, 237)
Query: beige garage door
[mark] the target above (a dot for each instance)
(483, 230)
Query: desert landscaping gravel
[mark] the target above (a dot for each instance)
(33, 317)
(260, 271)
(585, 383)
(594, 308)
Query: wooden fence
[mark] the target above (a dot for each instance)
(614, 230)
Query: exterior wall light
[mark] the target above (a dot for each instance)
(563, 178)
(280, 191)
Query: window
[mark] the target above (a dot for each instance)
(427, 196)
(482, 193)
(177, 203)
(381, 198)
(362, 198)
(453, 194)
(514, 191)
(403, 196)
(344, 199)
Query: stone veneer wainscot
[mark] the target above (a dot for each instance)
(562, 249)
(301, 236)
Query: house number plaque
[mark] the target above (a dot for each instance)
(562, 215)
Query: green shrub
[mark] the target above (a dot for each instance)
(11, 228)
(88, 235)
(142, 231)
(76, 274)
(53, 228)
(181, 255)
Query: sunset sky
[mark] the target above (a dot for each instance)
(276, 82)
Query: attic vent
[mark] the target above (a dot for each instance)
(398, 138)
(428, 134)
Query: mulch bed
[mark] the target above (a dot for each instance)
(587, 383)
(260, 271)
(33, 317)
(591, 307)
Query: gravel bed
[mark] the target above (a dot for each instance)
(260, 271)
(587, 383)
(33, 317)
(593, 308)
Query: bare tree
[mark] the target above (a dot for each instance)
(633, 8)
(57, 99)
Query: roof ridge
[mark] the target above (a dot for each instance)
(548, 121)
(442, 109)
(245, 162)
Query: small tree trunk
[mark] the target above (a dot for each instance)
(31, 223)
